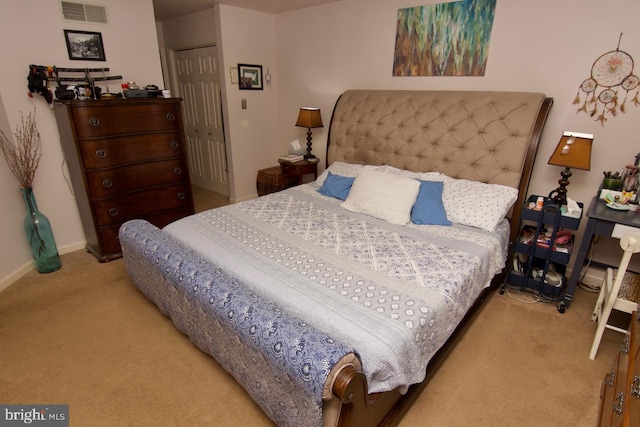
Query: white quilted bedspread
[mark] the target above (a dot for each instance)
(395, 293)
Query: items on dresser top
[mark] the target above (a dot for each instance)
(126, 160)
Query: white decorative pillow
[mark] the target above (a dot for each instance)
(477, 204)
(382, 195)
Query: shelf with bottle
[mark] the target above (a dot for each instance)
(532, 212)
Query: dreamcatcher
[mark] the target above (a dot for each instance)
(609, 73)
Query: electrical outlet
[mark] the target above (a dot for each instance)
(244, 104)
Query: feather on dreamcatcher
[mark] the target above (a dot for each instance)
(610, 72)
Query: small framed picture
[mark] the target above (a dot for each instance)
(250, 77)
(84, 45)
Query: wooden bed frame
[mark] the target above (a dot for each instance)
(371, 127)
(489, 137)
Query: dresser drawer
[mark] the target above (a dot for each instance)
(126, 159)
(108, 235)
(109, 241)
(141, 204)
(100, 120)
(104, 153)
(608, 393)
(620, 404)
(113, 182)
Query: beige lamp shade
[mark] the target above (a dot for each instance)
(573, 151)
(309, 117)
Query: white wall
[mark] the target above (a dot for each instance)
(185, 32)
(241, 36)
(248, 37)
(194, 30)
(313, 55)
(32, 33)
(542, 46)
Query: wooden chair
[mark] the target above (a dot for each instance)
(616, 293)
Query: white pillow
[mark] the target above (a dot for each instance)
(425, 176)
(477, 204)
(343, 169)
(382, 195)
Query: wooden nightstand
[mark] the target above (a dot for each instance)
(300, 169)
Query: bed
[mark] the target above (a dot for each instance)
(331, 302)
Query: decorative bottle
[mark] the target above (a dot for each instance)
(40, 235)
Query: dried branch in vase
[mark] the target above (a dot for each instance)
(23, 155)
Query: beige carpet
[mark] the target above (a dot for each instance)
(85, 336)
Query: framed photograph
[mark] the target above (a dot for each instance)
(250, 77)
(84, 45)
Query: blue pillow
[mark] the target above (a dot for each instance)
(428, 208)
(336, 186)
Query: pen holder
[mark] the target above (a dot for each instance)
(612, 184)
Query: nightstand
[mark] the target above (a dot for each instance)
(300, 169)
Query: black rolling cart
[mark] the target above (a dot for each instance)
(542, 251)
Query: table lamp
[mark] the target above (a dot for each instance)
(309, 117)
(573, 151)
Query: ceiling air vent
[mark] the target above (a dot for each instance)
(84, 12)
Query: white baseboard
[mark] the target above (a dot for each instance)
(593, 277)
(16, 275)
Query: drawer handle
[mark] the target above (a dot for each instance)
(101, 153)
(624, 348)
(170, 116)
(173, 144)
(177, 171)
(182, 196)
(107, 183)
(618, 403)
(94, 121)
(635, 387)
(610, 378)
(113, 212)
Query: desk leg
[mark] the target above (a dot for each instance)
(577, 267)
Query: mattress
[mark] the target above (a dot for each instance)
(394, 293)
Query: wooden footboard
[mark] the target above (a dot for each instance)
(361, 409)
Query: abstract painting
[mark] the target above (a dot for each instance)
(445, 39)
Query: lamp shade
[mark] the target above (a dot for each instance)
(309, 117)
(573, 151)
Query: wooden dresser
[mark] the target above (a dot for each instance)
(621, 388)
(126, 160)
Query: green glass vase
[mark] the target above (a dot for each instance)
(40, 235)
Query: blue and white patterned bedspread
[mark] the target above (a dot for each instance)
(281, 361)
(393, 293)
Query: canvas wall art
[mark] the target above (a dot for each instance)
(445, 39)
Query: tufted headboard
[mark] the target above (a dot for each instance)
(490, 137)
